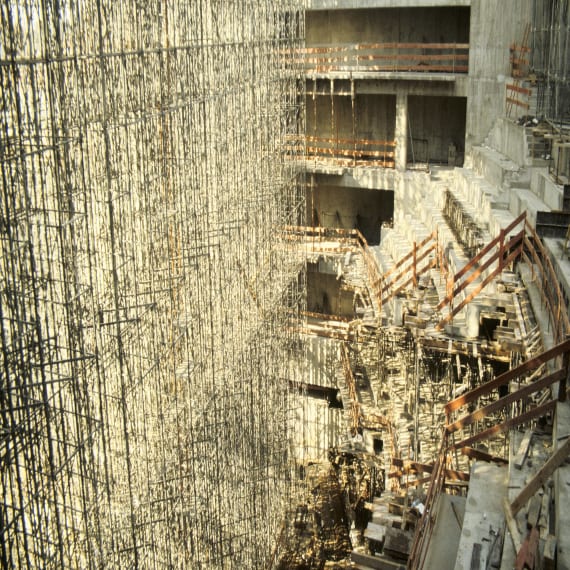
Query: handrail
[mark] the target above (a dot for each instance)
(377, 57)
(502, 263)
(488, 387)
(348, 152)
(426, 525)
(554, 300)
(410, 263)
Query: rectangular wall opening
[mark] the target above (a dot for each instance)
(352, 132)
(327, 294)
(436, 130)
(346, 207)
(448, 24)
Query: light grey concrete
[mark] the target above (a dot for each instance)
(491, 35)
(340, 206)
(398, 24)
(372, 117)
(436, 123)
(546, 189)
(509, 138)
(447, 533)
(484, 511)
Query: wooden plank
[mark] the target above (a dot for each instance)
(522, 451)
(544, 519)
(512, 525)
(416, 482)
(397, 543)
(550, 552)
(556, 459)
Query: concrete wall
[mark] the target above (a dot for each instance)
(375, 117)
(344, 207)
(494, 27)
(440, 121)
(388, 25)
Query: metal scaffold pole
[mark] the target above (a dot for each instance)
(143, 420)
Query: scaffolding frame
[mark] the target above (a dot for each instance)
(143, 420)
(550, 52)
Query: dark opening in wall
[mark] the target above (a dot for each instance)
(378, 443)
(330, 395)
(344, 207)
(436, 130)
(429, 24)
(328, 294)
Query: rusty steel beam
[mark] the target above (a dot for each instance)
(527, 366)
(476, 273)
(365, 142)
(505, 401)
(506, 425)
(409, 255)
(466, 268)
(561, 314)
(482, 456)
(409, 466)
(424, 528)
(427, 267)
(480, 287)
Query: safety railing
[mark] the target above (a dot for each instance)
(409, 268)
(488, 415)
(383, 57)
(496, 256)
(340, 151)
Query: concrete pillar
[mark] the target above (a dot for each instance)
(401, 130)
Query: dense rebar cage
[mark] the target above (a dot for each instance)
(550, 57)
(144, 423)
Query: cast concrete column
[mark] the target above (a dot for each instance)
(401, 130)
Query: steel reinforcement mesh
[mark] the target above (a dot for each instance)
(142, 287)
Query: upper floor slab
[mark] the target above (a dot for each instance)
(357, 4)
